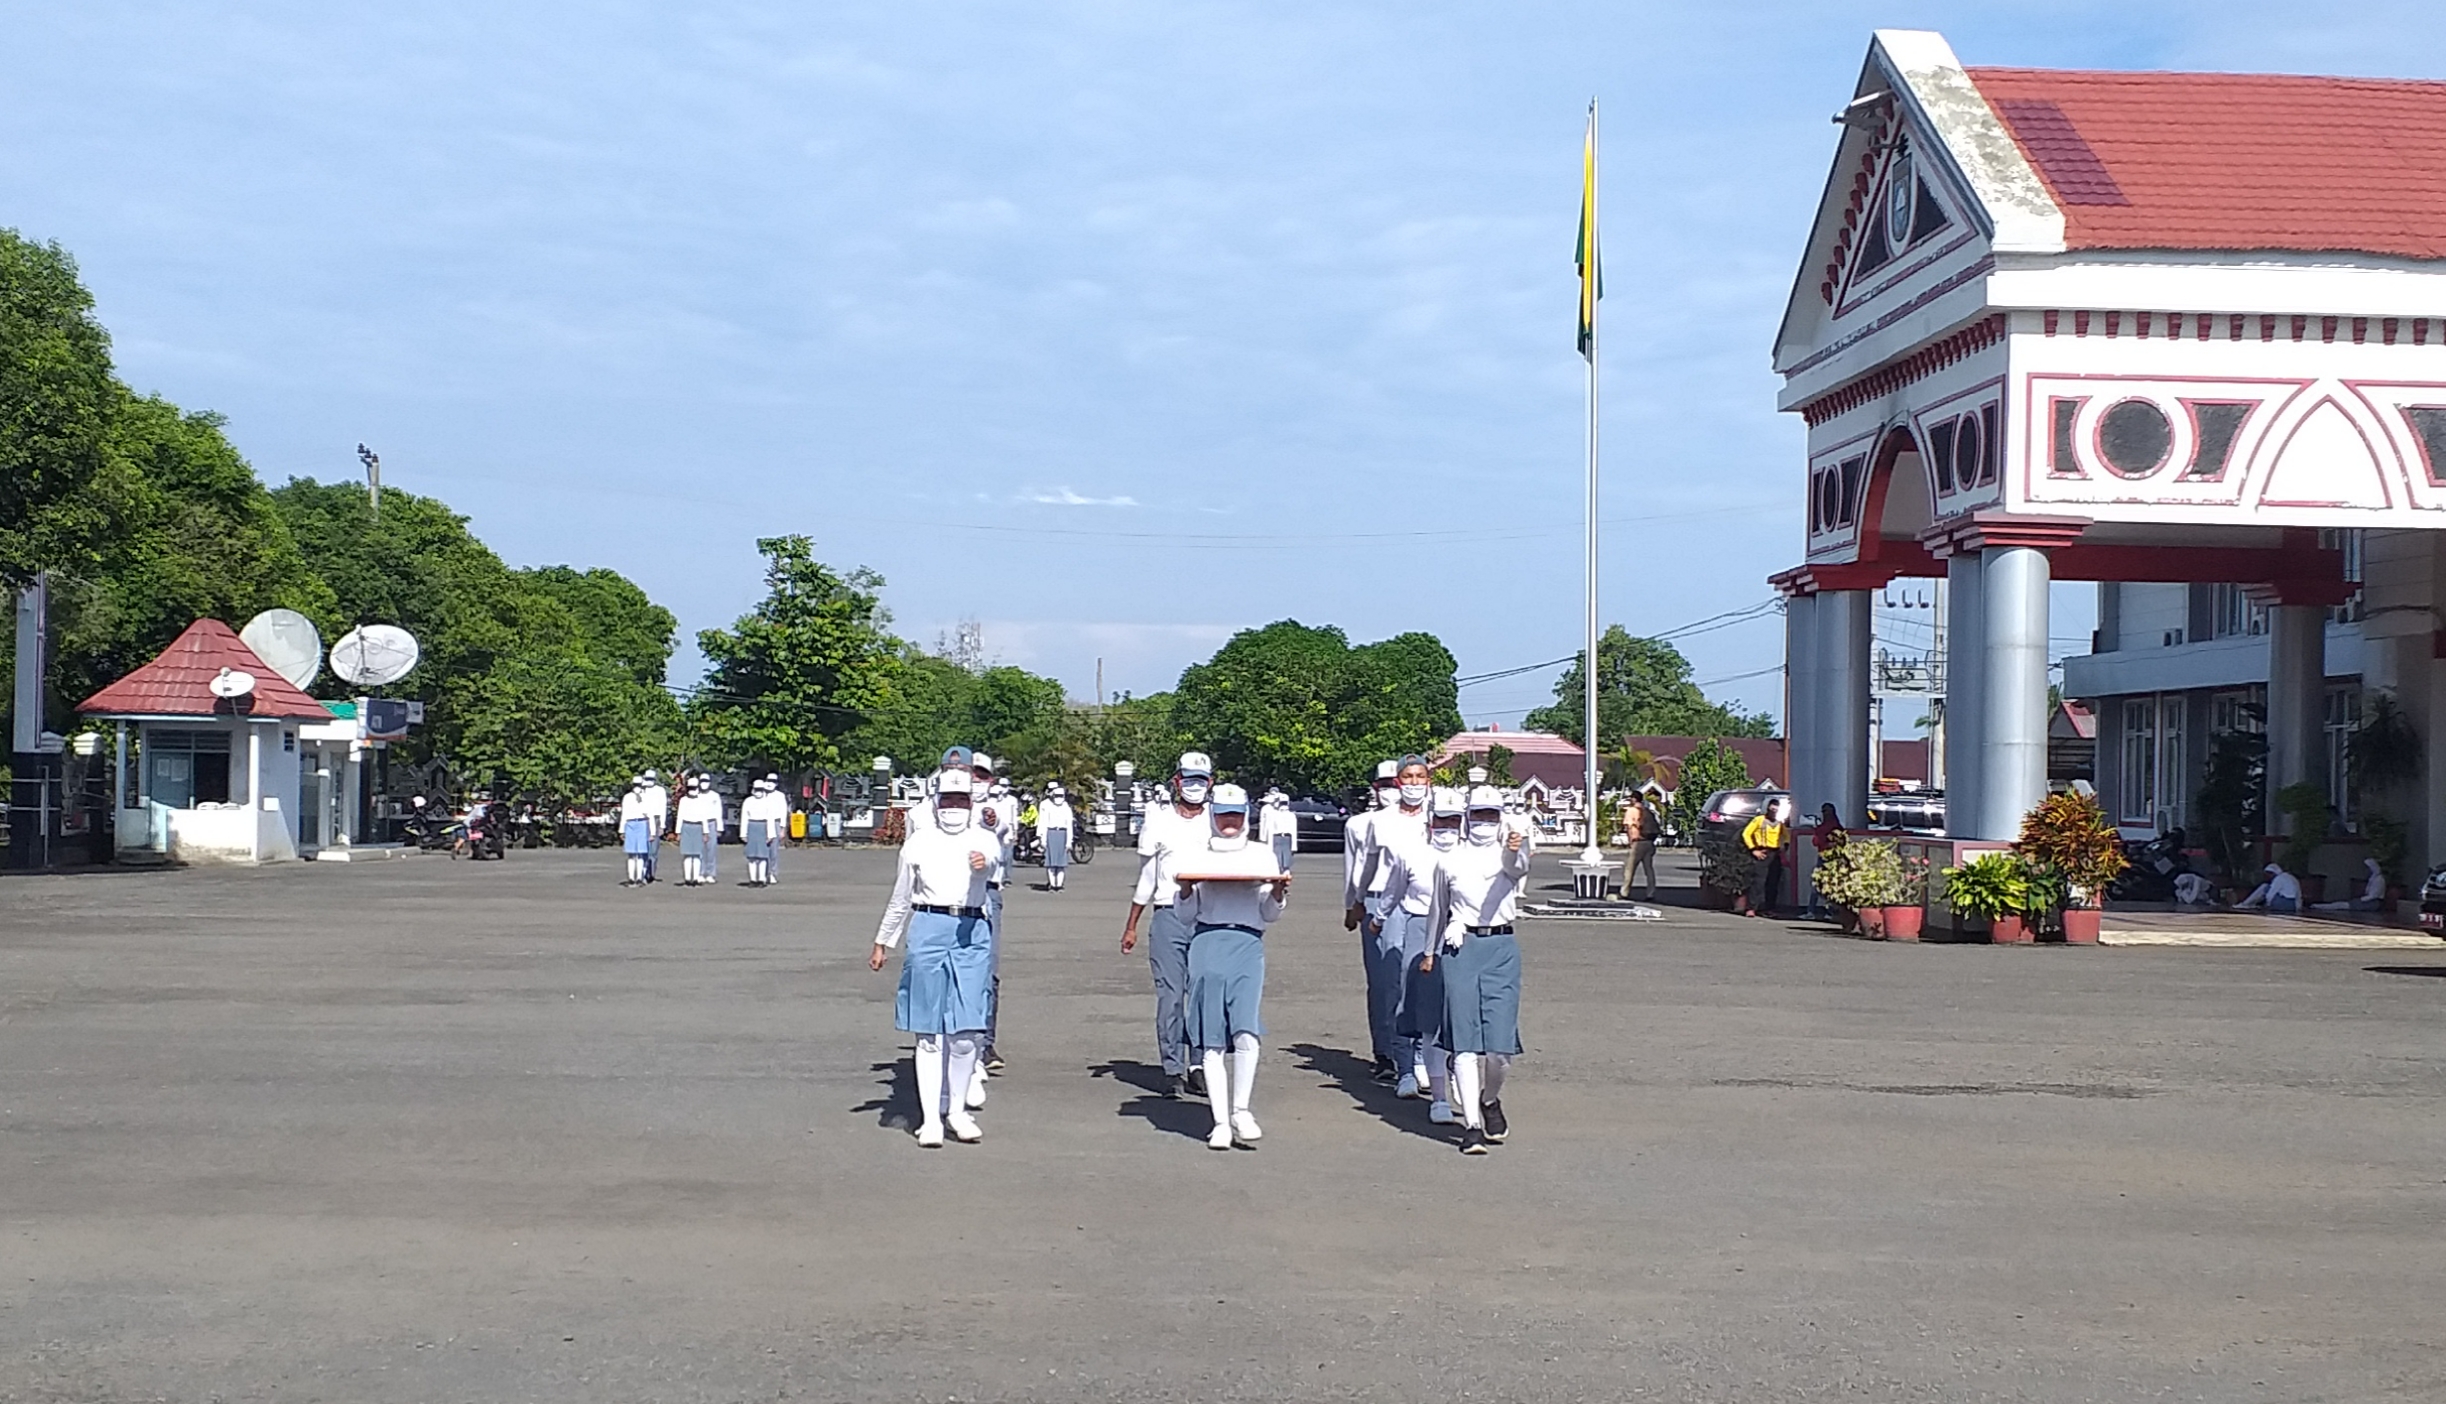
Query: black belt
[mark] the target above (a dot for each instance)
(1205, 926)
(1504, 930)
(951, 911)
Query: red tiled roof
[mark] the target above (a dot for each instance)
(1525, 743)
(2233, 161)
(176, 682)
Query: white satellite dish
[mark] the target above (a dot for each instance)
(229, 682)
(372, 655)
(287, 643)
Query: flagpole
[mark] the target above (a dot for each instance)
(1588, 669)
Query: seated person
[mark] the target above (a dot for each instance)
(2193, 890)
(2281, 893)
(2373, 896)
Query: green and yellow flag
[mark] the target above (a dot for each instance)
(1592, 278)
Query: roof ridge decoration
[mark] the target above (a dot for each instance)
(2020, 214)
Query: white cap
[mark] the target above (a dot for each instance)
(1444, 799)
(982, 761)
(1388, 770)
(1485, 797)
(1055, 789)
(1230, 799)
(1196, 763)
(954, 782)
(649, 774)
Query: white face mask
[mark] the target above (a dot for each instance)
(1229, 843)
(1443, 838)
(1388, 795)
(1414, 793)
(1193, 791)
(951, 819)
(1485, 831)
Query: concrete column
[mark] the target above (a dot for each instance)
(1843, 632)
(1803, 731)
(254, 792)
(1965, 626)
(2012, 688)
(2297, 701)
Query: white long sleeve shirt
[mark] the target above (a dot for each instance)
(1051, 815)
(632, 806)
(1275, 821)
(1165, 838)
(999, 811)
(1407, 859)
(1392, 829)
(1476, 884)
(658, 806)
(770, 806)
(1250, 904)
(935, 872)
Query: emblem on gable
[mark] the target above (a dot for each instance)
(1897, 223)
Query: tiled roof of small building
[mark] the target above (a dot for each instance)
(2233, 161)
(177, 682)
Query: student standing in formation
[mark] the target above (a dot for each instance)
(763, 819)
(1402, 827)
(1403, 908)
(696, 836)
(658, 818)
(1477, 893)
(637, 834)
(1278, 827)
(1383, 967)
(1053, 825)
(998, 811)
(938, 903)
(1229, 894)
(1171, 831)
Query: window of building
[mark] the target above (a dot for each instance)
(2236, 614)
(2139, 798)
(2172, 755)
(2244, 709)
(2343, 714)
(2347, 540)
(186, 768)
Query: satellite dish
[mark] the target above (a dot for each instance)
(229, 682)
(371, 655)
(287, 643)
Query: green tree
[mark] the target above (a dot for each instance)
(794, 678)
(1299, 707)
(58, 400)
(1643, 689)
(1710, 766)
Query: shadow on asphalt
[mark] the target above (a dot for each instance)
(896, 1108)
(2434, 972)
(1356, 1076)
(1184, 1118)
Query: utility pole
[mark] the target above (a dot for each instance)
(33, 766)
(373, 478)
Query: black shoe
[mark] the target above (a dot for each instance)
(1496, 1127)
(1473, 1141)
(1195, 1081)
(1176, 1086)
(993, 1061)
(1385, 1071)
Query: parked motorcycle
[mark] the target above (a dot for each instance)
(488, 830)
(432, 829)
(2154, 865)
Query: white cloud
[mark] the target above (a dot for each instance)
(1065, 497)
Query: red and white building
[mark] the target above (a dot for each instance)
(2146, 329)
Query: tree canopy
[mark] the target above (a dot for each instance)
(1643, 689)
(802, 670)
(1299, 707)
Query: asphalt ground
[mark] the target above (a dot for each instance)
(430, 1131)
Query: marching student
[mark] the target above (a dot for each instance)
(657, 805)
(697, 836)
(1405, 908)
(637, 836)
(997, 810)
(1278, 827)
(763, 819)
(1229, 894)
(1401, 827)
(1170, 832)
(1053, 825)
(1383, 969)
(946, 974)
(1476, 897)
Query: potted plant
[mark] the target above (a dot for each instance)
(1994, 886)
(1853, 876)
(2067, 840)
(2305, 804)
(1908, 911)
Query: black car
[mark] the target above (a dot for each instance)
(2433, 900)
(1321, 823)
(1920, 811)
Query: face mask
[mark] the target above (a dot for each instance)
(1443, 838)
(1387, 795)
(950, 819)
(1193, 792)
(1229, 843)
(1485, 831)
(1414, 794)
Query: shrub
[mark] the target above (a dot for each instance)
(2067, 835)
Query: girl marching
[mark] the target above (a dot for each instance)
(1476, 895)
(946, 975)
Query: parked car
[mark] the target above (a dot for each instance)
(1321, 823)
(1727, 810)
(2433, 900)
(1920, 811)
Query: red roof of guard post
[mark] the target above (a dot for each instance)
(177, 683)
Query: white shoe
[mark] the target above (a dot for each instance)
(1441, 1113)
(1407, 1087)
(964, 1127)
(1220, 1137)
(1244, 1128)
(976, 1090)
(930, 1135)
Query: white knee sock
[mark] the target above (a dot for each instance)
(1465, 1089)
(1218, 1086)
(930, 1079)
(959, 1065)
(1497, 1064)
(1243, 1069)
(1439, 1073)
(636, 869)
(688, 867)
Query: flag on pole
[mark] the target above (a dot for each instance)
(1592, 278)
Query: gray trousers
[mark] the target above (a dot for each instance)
(1168, 957)
(1380, 950)
(1643, 857)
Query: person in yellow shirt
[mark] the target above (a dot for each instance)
(1763, 836)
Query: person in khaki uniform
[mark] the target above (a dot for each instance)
(1645, 829)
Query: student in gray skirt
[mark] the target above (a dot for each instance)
(1476, 896)
(1230, 893)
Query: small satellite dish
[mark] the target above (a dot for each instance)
(229, 682)
(287, 643)
(372, 655)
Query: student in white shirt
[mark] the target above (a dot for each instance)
(764, 819)
(1227, 918)
(1403, 908)
(946, 974)
(1171, 831)
(1380, 961)
(1399, 941)
(2281, 893)
(700, 830)
(1054, 822)
(657, 806)
(998, 810)
(637, 834)
(1476, 899)
(1278, 827)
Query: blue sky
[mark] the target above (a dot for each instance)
(1118, 327)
